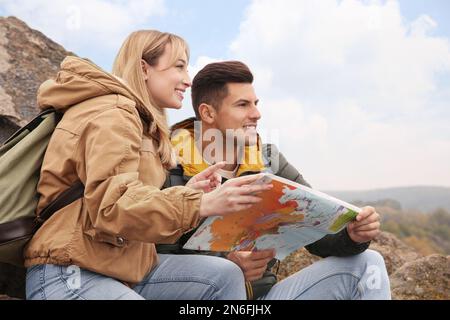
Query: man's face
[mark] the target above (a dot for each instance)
(239, 112)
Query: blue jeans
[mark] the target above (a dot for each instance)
(192, 277)
(359, 277)
(176, 277)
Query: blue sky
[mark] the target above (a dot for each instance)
(437, 9)
(208, 26)
(355, 93)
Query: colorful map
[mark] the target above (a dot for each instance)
(289, 217)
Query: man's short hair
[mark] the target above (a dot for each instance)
(210, 84)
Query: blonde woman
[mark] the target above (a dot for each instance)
(114, 138)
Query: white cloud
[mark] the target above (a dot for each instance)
(200, 63)
(355, 90)
(308, 41)
(86, 27)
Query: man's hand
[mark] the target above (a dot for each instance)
(252, 263)
(366, 227)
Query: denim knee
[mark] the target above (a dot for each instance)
(372, 257)
(230, 280)
(373, 262)
(376, 284)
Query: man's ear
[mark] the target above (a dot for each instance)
(207, 113)
(145, 69)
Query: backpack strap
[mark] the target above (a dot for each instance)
(268, 156)
(174, 178)
(16, 230)
(33, 123)
(75, 192)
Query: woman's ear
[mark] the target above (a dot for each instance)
(207, 113)
(145, 69)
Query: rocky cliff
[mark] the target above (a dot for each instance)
(27, 58)
(412, 276)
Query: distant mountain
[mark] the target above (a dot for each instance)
(424, 198)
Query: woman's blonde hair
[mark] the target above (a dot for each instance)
(149, 45)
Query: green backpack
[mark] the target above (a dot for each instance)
(21, 159)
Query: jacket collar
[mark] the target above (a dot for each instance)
(191, 159)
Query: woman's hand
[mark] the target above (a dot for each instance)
(207, 180)
(234, 195)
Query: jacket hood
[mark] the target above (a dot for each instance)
(79, 80)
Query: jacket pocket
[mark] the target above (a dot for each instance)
(114, 240)
(102, 236)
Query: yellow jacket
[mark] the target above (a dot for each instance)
(191, 159)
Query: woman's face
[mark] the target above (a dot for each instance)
(167, 82)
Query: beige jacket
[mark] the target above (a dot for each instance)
(102, 141)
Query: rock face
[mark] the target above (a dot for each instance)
(27, 58)
(395, 252)
(412, 275)
(295, 261)
(425, 278)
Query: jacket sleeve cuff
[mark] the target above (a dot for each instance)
(191, 209)
(357, 246)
